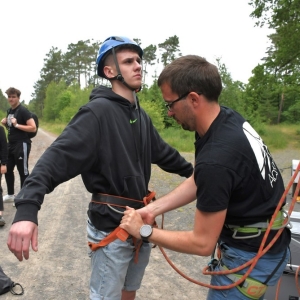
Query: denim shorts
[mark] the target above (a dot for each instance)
(232, 258)
(113, 268)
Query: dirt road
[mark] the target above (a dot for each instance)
(60, 269)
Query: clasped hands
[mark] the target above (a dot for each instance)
(133, 220)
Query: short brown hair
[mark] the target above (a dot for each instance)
(13, 91)
(192, 73)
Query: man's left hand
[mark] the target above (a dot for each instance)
(132, 222)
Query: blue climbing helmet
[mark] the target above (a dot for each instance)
(111, 43)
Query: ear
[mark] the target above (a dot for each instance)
(108, 72)
(195, 99)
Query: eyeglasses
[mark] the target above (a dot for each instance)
(169, 105)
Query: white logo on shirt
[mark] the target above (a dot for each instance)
(262, 154)
(9, 117)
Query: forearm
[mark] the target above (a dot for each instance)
(182, 195)
(180, 241)
(201, 240)
(26, 128)
(3, 169)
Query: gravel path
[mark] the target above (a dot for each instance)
(60, 269)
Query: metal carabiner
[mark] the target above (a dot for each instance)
(234, 236)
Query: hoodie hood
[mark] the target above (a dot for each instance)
(105, 92)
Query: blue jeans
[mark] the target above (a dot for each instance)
(113, 267)
(232, 258)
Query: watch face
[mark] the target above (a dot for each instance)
(146, 231)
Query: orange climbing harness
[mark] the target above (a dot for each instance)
(119, 233)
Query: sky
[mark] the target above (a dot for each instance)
(209, 28)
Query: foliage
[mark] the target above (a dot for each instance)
(79, 61)
(78, 98)
(270, 97)
(54, 94)
(281, 68)
(170, 49)
(292, 114)
(232, 92)
(258, 92)
(282, 16)
(150, 101)
(149, 58)
(76, 64)
(3, 102)
(153, 97)
(154, 114)
(178, 138)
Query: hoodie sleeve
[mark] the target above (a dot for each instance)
(167, 157)
(72, 153)
(3, 144)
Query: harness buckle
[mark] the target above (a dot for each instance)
(241, 237)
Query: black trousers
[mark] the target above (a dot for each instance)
(18, 155)
(1, 195)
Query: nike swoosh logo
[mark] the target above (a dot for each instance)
(133, 121)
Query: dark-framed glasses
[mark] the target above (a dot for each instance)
(170, 104)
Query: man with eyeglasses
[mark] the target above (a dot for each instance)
(236, 184)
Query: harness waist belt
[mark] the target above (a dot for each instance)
(255, 229)
(120, 233)
(117, 201)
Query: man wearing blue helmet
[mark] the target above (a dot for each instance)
(112, 143)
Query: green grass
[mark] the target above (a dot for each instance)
(55, 128)
(281, 136)
(276, 137)
(180, 139)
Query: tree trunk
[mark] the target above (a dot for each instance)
(280, 108)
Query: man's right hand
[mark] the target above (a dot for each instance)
(21, 235)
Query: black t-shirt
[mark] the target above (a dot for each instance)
(22, 115)
(234, 170)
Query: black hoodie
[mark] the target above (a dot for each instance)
(112, 145)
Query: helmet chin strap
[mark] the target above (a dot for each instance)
(120, 78)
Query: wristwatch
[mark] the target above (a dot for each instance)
(145, 232)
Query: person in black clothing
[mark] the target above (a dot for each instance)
(3, 162)
(18, 122)
(236, 183)
(112, 143)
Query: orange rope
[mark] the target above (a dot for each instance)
(278, 288)
(260, 252)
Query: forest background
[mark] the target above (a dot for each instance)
(270, 100)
